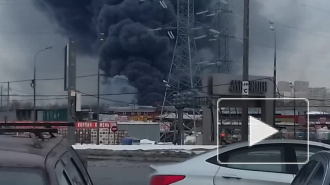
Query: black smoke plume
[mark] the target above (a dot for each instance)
(129, 48)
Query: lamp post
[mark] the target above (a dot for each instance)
(33, 83)
(272, 27)
(294, 109)
(98, 96)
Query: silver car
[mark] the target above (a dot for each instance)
(315, 172)
(205, 169)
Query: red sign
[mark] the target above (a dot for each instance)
(222, 135)
(302, 120)
(108, 124)
(114, 128)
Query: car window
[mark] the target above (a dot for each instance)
(304, 173)
(317, 178)
(79, 165)
(70, 171)
(61, 175)
(301, 153)
(265, 154)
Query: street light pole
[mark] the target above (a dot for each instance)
(294, 109)
(34, 81)
(274, 68)
(294, 112)
(98, 96)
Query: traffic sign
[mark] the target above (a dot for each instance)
(259, 131)
(245, 88)
(114, 128)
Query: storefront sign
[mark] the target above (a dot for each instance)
(255, 87)
(94, 124)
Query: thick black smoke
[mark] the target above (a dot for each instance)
(130, 48)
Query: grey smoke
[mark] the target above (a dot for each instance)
(144, 57)
(129, 48)
(119, 91)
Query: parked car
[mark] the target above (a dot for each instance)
(205, 169)
(37, 158)
(315, 172)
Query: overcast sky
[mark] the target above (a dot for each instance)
(302, 29)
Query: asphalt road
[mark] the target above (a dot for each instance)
(119, 172)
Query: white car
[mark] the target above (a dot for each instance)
(204, 169)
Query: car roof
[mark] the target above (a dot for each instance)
(279, 141)
(325, 154)
(20, 151)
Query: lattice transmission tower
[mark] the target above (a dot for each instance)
(185, 73)
(185, 70)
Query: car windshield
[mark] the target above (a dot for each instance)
(20, 176)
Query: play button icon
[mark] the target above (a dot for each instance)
(259, 131)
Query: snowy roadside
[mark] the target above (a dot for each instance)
(144, 147)
(142, 152)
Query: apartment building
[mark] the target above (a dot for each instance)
(317, 96)
(301, 86)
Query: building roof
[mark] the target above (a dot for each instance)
(185, 116)
(133, 108)
(137, 123)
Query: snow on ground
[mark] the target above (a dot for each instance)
(143, 147)
(147, 145)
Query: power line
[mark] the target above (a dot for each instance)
(294, 52)
(62, 78)
(60, 95)
(284, 24)
(95, 96)
(132, 93)
(39, 99)
(312, 7)
(57, 78)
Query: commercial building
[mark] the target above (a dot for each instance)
(230, 86)
(317, 97)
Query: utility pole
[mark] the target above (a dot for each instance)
(33, 84)
(8, 89)
(34, 91)
(70, 87)
(245, 108)
(98, 95)
(180, 125)
(98, 105)
(1, 98)
(294, 111)
(272, 27)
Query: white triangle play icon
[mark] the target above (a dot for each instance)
(259, 131)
